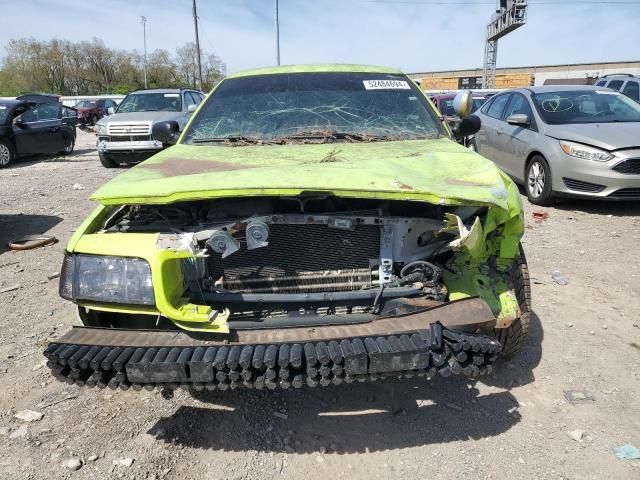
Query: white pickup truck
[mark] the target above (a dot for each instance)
(125, 137)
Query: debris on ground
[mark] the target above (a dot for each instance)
(53, 275)
(9, 289)
(124, 462)
(77, 186)
(575, 396)
(29, 242)
(539, 216)
(283, 416)
(20, 432)
(72, 464)
(575, 435)
(627, 452)
(29, 415)
(558, 278)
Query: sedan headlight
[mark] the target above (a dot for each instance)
(582, 151)
(106, 279)
(101, 129)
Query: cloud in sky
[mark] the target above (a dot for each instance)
(407, 34)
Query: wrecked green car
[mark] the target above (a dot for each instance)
(312, 225)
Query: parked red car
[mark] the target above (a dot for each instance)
(90, 111)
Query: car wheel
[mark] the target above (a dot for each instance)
(107, 161)
(6, 154)
(538, 181)
(68, 148)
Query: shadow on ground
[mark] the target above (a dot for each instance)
(16, 226)
(599, 207)
(364, 417)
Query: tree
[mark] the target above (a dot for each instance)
(91, 68)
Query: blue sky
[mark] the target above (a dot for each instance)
(414, 35)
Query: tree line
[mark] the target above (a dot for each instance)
(91, 68)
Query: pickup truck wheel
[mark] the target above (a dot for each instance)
(107, 161)
(7, 155)
(513, 337)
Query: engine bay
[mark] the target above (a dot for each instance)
(311, 256)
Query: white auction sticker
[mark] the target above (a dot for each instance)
(386, 85)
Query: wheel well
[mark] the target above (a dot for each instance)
(529, 158)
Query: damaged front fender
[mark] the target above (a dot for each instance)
(484, 253)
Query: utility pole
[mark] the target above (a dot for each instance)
(143, 20)
(195, 24)
(277, 21)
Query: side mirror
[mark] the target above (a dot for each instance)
(521, 119)
(192, 108)
(110, 111)
(167, 132)
(467, 127)
(463, 103)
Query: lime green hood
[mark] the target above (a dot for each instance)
(437, 171)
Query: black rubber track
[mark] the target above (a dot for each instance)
(513, 337)
(436, 351)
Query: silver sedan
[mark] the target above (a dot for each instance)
(564, 141)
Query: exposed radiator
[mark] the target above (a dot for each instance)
(302, 258)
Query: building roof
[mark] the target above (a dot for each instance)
(315, 68)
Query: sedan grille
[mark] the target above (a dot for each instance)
(302, 258)
(631, 166)
(580, 186)
(129, 128)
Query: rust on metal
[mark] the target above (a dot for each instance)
(464, 315)
(175, 167)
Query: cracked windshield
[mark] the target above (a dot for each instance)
(314, 108)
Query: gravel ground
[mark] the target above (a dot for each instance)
(515, 424)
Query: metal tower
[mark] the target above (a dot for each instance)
(512, 14)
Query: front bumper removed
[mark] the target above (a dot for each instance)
(436, 341)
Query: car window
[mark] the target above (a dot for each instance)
(151, 102)
(188, 100)
(615, 84)
(485, 108)
(585, 106)
(293, 107)
(601, 83)
(497, 106)
(446, 107)
(518, 105)
(632, 90)
(41, 112)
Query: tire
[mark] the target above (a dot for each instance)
(512, 338)
(107, 161)
(7, 154)
(537, 181)
(68, 149)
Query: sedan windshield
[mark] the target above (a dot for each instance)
(586, 106)
(314, 108)
(151, 102)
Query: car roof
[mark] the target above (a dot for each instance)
(316, 68)
(554, 88)
(11, 103)
(162, 90)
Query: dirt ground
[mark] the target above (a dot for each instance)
(514, 424)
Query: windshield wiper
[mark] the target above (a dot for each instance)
(331, 135)
(229, 139)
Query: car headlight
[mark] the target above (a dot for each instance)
(106, 279)
(101, 128)
(582, 151)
